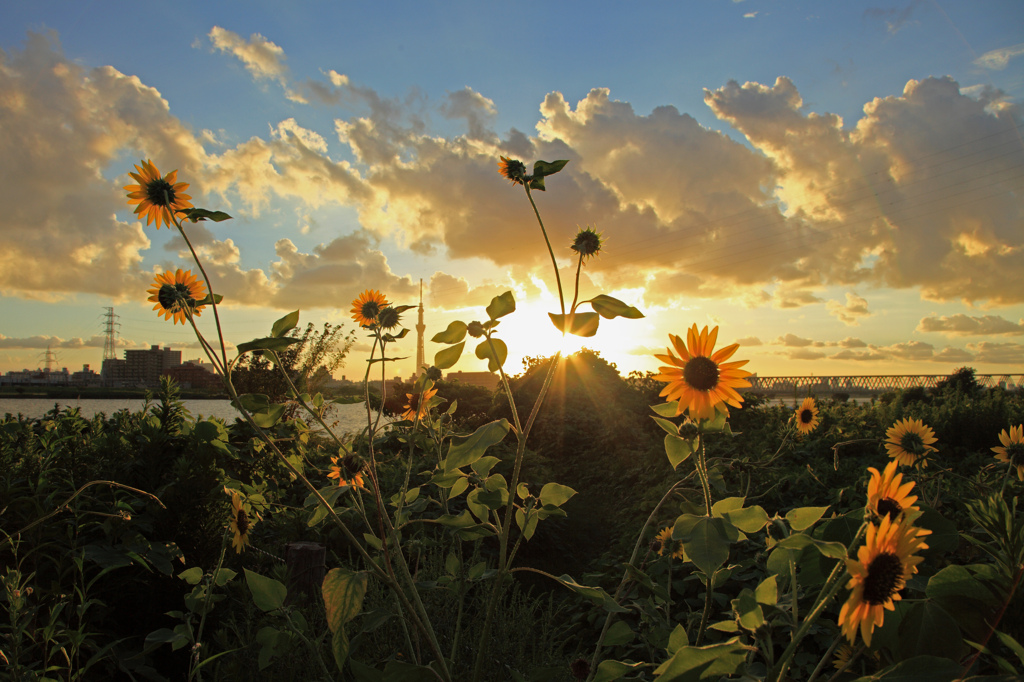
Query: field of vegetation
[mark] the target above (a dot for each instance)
(118, 565)
(572, 525)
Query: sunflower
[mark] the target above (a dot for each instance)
(157, 196)
(843, 656)
(807, 416)
(587, 243)
(176, 294)
(416, 407)
(513, 169)
(241, 522)
(909, 441)
(700, 380)
(881, 570)
(351, 467)
(1012, 449)
(663, 540)
(366, 308)
(888, 496)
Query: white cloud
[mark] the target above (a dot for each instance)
(970, 325)
(262, 58)
(851, 312)
(999, 59)
(998, 353)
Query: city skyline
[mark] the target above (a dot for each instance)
(839, 189)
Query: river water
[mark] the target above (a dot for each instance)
(349, 418)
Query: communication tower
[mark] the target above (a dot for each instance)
(420, 328)
(110, 326)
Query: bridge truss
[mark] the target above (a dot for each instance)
(867, 384)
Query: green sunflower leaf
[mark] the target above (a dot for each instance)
(667, 409)
(578, 324)
(197, 214)
(455, 332)
(608, 308)
(501, 305)
(494, 351)
(677, 449)
(556, 494)
(267, 593)
(542, 168)
(285, 324)
(268, 343)
(207, 300)
(449, 356)
(537, 183)
(343, 593)
(468, 450)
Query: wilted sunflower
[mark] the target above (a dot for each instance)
(807, 416)
(176, 294)
(416, 407)
(1012, 449)
(241, 523)
(366, 308)
(700, 380)
(909, 441)
(881, 570)
(888, 496)
(157, 196)
(348, 470)
(664, 541)
(513, 169)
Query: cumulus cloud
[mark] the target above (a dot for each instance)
(852, 342)
(869, 355)
(971, 325)
(794, 341)
(851, 312)
(999, 59)
(750, 341)
(62, 124)
(951, 354)
(262, 58)
(55, 342)
(804, 354)
(998, 353)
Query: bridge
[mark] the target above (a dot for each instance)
(868, 384)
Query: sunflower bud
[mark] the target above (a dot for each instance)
(587, 243)
(475, 329)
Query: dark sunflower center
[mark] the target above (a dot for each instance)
(890, 507)
(701, 373)
(388, 318)
(806, 416)
(370, 310)
(352, 465)
(885, 578)
(242, 521)
(155, 192)
(912, 442)
(175, 296)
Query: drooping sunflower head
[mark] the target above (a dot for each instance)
(176, 295)
(664, 544)
(513, 169)
(884, 564)
(698, 377)
(367, 307)
(417, 405)
(909, 442)
(388, 318)
(242, 521)
(1012, 449)
(807, 416)
(888, 496)
(587, 243)
(157, 196)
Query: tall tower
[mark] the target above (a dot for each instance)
(110, 331)
(420, 328)
(51, 358)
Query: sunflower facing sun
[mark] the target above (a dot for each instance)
(881, 570)
(807, 416)
(157, 196)
(176, 295)
(1012, 449)
(700, 379)
(367, 307)
(909, 442)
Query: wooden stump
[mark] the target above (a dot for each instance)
(305, 575)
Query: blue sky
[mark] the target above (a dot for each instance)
(837, 185)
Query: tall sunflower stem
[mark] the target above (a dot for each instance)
(503, 559)
(709, 596)
(576, 290)
(554, 263)
(206, 278)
